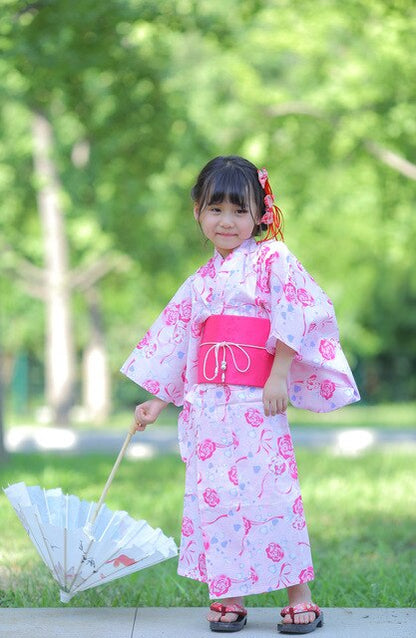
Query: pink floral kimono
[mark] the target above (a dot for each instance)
(244, 530)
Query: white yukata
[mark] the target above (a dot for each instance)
(243, 529)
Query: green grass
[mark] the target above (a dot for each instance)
(361, 515)
(388, 415)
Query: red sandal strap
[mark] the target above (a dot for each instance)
(300, 608)
(228, 609)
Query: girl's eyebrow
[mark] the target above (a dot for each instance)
(238, 206)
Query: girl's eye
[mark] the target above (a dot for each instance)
(242, 211)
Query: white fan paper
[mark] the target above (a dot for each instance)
(119, 545)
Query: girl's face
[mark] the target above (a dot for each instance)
(226, 225)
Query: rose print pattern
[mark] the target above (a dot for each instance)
(290, 292)
(276, 466)
(243, 526)
(327, 389)
(274, 552)
(299, 523)
(293, 468)
(211, 497)
(327, 349)
(151, 386)
(208, 270)
(306, 575)
(254, 417)
(298, 506)
(171, 314)
(220, 585)
(304, 297)
(312, 382)
(187, 526)
(207, 448)
(185, 311)
(196, 329)
(285, 446)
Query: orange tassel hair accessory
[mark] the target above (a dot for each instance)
(273, 217)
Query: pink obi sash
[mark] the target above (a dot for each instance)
(233, 351)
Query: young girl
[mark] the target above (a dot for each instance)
(247, 332)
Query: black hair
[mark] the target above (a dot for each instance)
(230, 178)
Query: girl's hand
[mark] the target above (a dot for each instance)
(148, 412)
(275, 398)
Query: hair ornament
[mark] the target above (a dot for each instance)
(273, 217)
(263, 177)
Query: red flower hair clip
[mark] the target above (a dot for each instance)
(273, 217)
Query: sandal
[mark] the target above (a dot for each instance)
(292, 628)
(236, 625)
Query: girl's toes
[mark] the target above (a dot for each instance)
(287, 619)
(213, 616)
(229, 617)
(304, 619)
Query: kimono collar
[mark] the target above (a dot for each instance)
(248, 246)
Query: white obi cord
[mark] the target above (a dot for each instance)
(215, 348)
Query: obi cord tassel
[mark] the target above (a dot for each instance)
(226, 345)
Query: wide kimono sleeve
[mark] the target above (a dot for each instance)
(158, 362)
(303, 317)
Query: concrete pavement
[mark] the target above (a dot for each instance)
(159, 622)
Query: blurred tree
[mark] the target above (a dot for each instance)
(141, 94)
(60, 354)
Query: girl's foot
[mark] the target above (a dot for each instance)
(299, 594)
(215, 616)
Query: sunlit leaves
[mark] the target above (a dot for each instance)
(142, 93)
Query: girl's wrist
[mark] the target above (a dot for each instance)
(278, 375)
(162, 404)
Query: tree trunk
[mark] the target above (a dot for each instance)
(96, 384)
(59, 356)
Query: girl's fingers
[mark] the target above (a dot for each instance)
(141, 418)
(270, 408)
(281, 406)
(273, 407)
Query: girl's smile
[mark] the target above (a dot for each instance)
(226, 225)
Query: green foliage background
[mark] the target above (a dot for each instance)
(155, 89)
